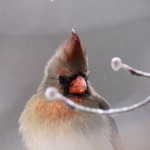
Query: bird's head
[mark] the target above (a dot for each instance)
(67, 70)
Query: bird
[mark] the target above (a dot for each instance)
(52, 125)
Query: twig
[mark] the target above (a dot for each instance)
(52, 94)
(117, 65)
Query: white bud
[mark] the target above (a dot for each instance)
(116, 63)
(51, 93)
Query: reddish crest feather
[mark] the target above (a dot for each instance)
(73, 49)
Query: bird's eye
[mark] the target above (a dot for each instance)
(63, 80)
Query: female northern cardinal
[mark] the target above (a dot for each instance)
(52, 125)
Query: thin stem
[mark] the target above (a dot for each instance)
(52, 94)
(117, 64)
(136, 72)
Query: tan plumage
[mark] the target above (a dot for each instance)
(51, 125)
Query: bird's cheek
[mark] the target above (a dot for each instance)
(78, 86)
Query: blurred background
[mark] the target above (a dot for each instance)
(31, 30)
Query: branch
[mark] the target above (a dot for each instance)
(117, 64)
(52, 93)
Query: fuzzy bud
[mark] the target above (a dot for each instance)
(116, 63)
(51, 93)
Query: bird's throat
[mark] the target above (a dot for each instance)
(54, 112)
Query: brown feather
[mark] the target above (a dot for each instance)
(54, 111)
(73, 54)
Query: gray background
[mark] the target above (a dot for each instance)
(31, 30)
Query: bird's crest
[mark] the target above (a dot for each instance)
(72, 52)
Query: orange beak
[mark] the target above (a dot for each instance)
(78, 86)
